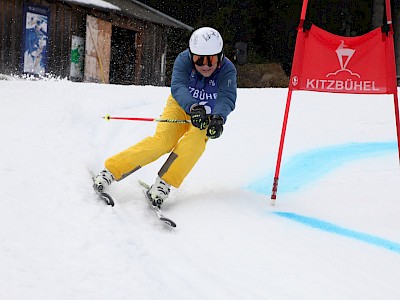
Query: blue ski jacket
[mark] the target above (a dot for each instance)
(217, 92)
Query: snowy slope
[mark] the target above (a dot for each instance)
(333, 234)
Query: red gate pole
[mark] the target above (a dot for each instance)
(285, 119)
(396, 111)
(304, 10)
(279, 159)
(396, 100)
(395, 97)
(388, 12)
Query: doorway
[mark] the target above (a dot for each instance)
(122, 64)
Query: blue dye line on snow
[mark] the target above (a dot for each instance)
(332, 228)
(305, 168)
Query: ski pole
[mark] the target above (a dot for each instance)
(108, 118)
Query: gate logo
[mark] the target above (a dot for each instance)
(344, 55)
(335, 83)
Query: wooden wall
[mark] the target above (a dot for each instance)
(64, 22)
(10, 36)
(67, 20)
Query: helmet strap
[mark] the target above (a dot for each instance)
(221, 57)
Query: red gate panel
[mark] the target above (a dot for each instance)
(326, 62)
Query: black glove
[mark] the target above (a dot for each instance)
(199, 117)
(216, 127)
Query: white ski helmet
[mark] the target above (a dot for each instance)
(206, 41)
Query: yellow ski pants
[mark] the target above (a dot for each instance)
(186, 142)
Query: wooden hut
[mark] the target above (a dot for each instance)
(108, 41)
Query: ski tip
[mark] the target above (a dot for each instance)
(169, 222)
(107, 198)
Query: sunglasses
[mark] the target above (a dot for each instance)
(209, 60)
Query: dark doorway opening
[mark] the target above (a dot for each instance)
(122, 64)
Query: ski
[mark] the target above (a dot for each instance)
(156, 210)
(103, 196)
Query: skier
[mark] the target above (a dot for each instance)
(203, 90)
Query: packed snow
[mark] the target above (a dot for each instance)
(333, 233)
